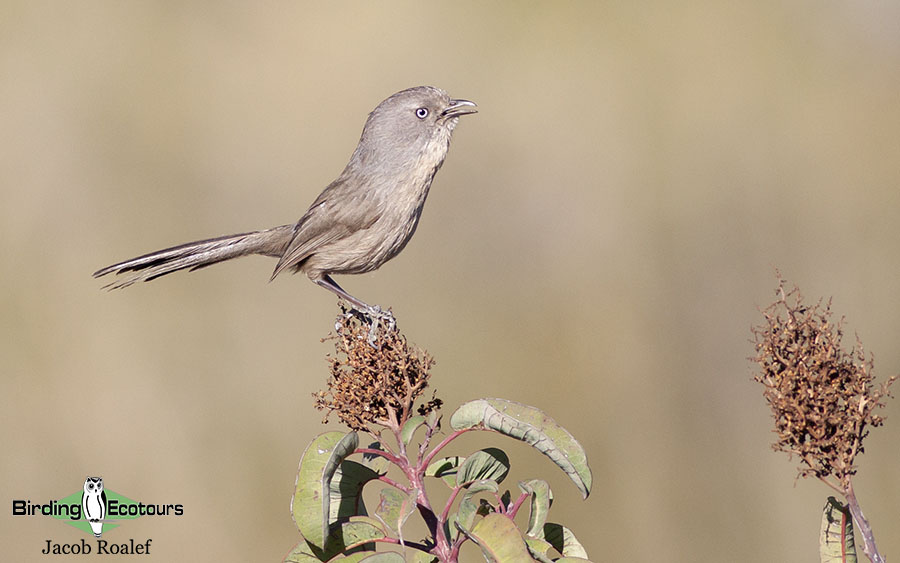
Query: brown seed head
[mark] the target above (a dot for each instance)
(822, 397)
(368, 381)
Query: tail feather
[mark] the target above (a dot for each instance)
(198, 254)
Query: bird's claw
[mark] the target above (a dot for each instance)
(376, 316)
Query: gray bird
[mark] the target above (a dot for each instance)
(359, 221)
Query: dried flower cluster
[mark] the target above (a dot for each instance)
(373, 382)
(822, 397)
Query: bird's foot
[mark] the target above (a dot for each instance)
(374, 316)
(377, 316)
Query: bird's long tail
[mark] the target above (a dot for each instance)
(194, 255)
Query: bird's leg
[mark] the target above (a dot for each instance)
(374, 313)
(331, 285)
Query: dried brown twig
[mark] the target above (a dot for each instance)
(823, 398)
(371, 383)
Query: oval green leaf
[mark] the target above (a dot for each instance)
(446, 469)
(301, 554)
(384, 557)
(468, 508)
(538, 549)
(339, 453)
(531, 426)
(410, 427)
(395, 507)
(563, 540)
(356, 533)
(328, 488)
(489, 463)
(499, 540)
(541, 498)
(836, 543)
(416, 556)
(355, 557)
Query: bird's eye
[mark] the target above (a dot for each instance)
(422, 113)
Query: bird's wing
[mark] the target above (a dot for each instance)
(339, 211)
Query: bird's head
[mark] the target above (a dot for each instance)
(411, 126)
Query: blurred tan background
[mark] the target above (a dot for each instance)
(598, 244)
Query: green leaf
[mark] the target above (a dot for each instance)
(328, 489)
(351, 558)
(395, 508)
(356, 533)
(563, 540)
(433, 420)
(499, 540)
(306, 505)
(301, 554)
(369, 520)
(489, 463)
(384, 557)
(445, 468)
(541, 498)
(410, 427)
(339, 453)
(481, 486)
(417, 556)
(411, 556)
(533, 427)
(538, 548)
(345, 542)
(836, 544)
(468, 508)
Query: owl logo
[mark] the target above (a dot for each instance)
(93, 503)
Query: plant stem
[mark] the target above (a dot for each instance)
(430, 428)
(395, 484)
(416, 478)
(840, 489)
(404, 543)
(445, 513)
(868, 543)
(440, 446)
(513, 509)
(394, 426)
(398, 461)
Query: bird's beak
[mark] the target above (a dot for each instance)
(459, 107)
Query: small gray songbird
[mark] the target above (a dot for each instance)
(359, 221)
